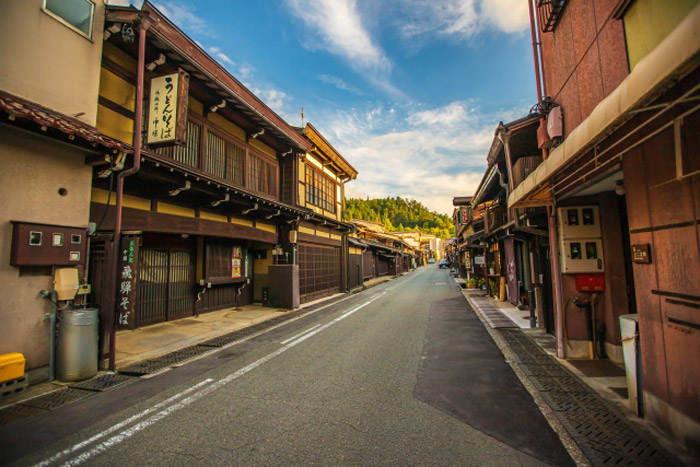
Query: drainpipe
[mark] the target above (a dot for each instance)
(551, 213)
(143, 26)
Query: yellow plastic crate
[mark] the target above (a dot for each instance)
(11, 366)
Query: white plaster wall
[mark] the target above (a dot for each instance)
(48, 63)
(32, 169)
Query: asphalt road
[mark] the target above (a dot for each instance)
(401, 374)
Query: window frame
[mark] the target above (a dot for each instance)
(319, 184)
(202, 154)
(65, 22)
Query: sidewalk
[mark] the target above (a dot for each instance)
(584, 400)
(152, 349)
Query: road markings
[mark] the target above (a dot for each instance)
(122, 424)
(115, 440)
(301, 333)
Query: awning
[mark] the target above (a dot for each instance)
(663, 64)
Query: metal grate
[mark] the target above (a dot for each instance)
(56, 399)
(156, 364)
(604, 436)
(103, 382)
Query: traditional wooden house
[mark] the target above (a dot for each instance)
(469, 229)
(322, 237)
(224, 203)
(619, 176)
(384, 253)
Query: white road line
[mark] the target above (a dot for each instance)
(301, 333)
(122, 424)
(114, 440)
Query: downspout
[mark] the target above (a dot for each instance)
(551, 214)
(143, 26)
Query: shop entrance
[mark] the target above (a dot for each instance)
(165, 286)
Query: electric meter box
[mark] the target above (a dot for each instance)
(580, 242)
(582, 255)
(47, 245)
(579, 222)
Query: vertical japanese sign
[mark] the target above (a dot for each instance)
(167, 115)
(126, 280)
(236, 262)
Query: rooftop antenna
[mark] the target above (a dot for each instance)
(302, 117)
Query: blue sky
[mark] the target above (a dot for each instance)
(408, 91)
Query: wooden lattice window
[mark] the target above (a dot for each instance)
(225, 159)
(320, 190)
(262, 175)
(189, 153)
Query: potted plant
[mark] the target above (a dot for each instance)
(481, 283)
(471, 283)
(492, 268)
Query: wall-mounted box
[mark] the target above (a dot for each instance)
(578, 222)
(581, 255)
(47, 245)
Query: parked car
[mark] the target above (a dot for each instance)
(431, 261)
(443, 264)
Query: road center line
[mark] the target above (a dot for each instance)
(300, 334)
(114, 440)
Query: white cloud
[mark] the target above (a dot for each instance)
(273, 98)
(184, 17)
(221, 57)
(339, 83)
(338, 22)
(430, 155)
(462, 18)
(339, 28)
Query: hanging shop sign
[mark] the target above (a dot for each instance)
(167, 115)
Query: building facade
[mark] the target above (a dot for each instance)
(621, 185)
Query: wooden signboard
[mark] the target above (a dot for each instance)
(167, 113)
(641, 253)
(126, 280)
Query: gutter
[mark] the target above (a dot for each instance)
(144, 24)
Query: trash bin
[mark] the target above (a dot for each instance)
(76, 353)
(629, 330)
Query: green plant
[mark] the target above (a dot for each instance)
(481, 282)
(471, 281)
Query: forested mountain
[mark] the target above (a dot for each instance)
(400, 215)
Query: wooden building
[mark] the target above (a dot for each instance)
(236, 207)
(621, 180)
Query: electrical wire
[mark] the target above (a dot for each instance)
(109, 196)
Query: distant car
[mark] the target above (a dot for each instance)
(443, 264)
(431, 261)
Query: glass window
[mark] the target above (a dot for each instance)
(76, 13)
(320, 190)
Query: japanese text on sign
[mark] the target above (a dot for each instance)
(162, 117)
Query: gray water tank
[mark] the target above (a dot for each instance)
(76, 353)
